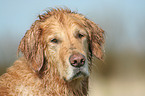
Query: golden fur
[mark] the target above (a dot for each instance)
(44, 69)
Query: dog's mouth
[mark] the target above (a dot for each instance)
(77, 74)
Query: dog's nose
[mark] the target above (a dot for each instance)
(77, 60)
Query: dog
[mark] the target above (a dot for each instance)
(57, 53)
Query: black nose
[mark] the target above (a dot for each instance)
(77, 60)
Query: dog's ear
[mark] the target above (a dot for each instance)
(32, 47)
(96, 39)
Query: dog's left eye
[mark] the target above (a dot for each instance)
(80, 35)
(54, 40)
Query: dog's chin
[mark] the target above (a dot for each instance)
(77, 76)
(80, 75)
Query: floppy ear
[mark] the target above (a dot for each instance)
(32, 48)
(96, 39)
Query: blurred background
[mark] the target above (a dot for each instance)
(122, 73)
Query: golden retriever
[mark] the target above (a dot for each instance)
(57, 51)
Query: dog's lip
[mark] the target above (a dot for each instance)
(78, 75)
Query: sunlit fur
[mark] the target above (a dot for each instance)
(45, 68)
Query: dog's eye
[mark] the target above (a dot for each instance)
(80, 35)
(54, 40)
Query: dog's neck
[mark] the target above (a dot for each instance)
(55, 86)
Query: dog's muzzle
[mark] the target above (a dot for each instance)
(78, 66)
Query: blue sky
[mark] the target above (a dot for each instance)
(20, 14)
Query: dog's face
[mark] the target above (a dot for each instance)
(66, 40)
(67, 46)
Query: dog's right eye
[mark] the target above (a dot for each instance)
(54, 40)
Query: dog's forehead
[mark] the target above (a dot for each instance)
(67, 24)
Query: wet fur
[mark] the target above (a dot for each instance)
(36, 74)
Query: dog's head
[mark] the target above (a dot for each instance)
(64, 40)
